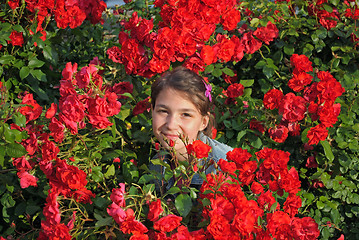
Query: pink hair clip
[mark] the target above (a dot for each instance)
(208, 91)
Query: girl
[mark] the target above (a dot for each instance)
(181, 103)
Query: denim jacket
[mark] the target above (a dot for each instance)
(219, 150)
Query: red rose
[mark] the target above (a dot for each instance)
(71, 107)
(300, 80)
(33, 110)
(118, 214)
(158, 65)
(225, 48)
(230, 19)
(142, 106)
(114, 53)
(83, 195)
(72, 177)
(13, 3)
(84, 76)
(292, 204)
(266, 200)
(76, 16)
(155, 210)
(228, 167)
(258, 125)
(268, 33)
(26, 179)
(167, 223)
(235, 90)
(250, 43)
(208, 55)
(51, 111)
(16, 38)
(279, 225)
(247, 172)
(272, 99)
(301, 63)
(238, 50)
(327, 19)
(131, 225)
(316, 134)
(118, 195)
(239, 156)
(304, 228)
(289, 181)
(279, 134)
(329, 90)
(56, 130)
(194, 63)
(219, 227)
(99, 122)
(198, 148)
(328, 114)
(292, 107)
(121, 88)
(311, 162)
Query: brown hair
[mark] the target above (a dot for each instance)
(191, 84)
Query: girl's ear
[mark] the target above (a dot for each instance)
(205, 121)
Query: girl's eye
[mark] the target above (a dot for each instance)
(186, 115)
(162, 111)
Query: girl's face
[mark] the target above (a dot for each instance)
(174, 115)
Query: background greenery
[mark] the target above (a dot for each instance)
(329, 192)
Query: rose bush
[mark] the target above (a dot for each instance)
(76, 132)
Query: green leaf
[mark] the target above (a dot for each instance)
(108, 221)
(268, 71)
(18, 28)
(173, 190)
(97, 174)
(228, 71)
(146, 179)
(19, 119)
(2, 155)
(247, 82)
(36, 63)
(183, 203)
(130, 172)
(15, 150)
(110, 172)
(38, 74)
(32, 209)
(327, 8)
(289, 50)
(217, 72)
(257, 143)
(209, 68)
(50, 54)
(327, 150)
(6, 59)
(161, 163)
(240, 135)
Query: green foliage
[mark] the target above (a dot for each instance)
(330, 190)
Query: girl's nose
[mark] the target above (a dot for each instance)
(171, 122)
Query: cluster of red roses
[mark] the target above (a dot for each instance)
(164, 227)
(317, 101)
(84, 98)
(235, 213)
(232, 212)
(187, 34)
(66, 13)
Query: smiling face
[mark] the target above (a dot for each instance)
(174, 115)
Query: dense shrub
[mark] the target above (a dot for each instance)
(75, 132)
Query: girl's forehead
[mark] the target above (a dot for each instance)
(174, 98)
